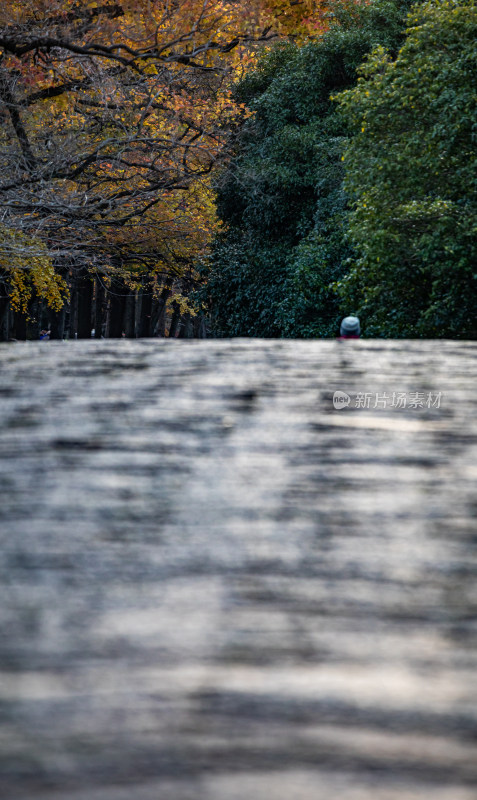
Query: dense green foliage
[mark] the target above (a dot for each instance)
(411, 169)
(281, 198)
(350, 194)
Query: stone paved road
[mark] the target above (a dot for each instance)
(215, 586)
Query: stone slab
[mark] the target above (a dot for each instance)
(218, 586)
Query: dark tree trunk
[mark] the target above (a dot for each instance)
(145, 328)
(4, 316)
(57, 323)
(99, 302)
(34, 318)
(200, 327)
(159, 317)
(73, 322)
(43, 316)
(85, 305)
(19, 328)
(130, 316)
(59, 320)
(186, 329)
(117, 300)
(176, 318)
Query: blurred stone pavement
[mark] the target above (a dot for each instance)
(215, 585)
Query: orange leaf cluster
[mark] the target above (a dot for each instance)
(115, 114)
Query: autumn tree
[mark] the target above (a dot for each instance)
(113, 116)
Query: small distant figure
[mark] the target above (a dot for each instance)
(44, 335)
(350, 328)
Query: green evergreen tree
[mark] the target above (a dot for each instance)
(281, 199)
(411, 170)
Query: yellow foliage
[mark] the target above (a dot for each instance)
(25, 262)
(301, 19)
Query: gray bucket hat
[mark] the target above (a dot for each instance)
(350, 327)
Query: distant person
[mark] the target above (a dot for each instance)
(350, 328)
(44, 335)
